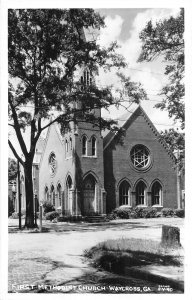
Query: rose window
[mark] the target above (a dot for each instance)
(140, 156)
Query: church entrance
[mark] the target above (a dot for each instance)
(89, 195)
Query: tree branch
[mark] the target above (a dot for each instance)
(17, 129)
(15, 153)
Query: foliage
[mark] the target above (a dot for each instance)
(176, 143)
(48, 207)
(179, 213)
(124, 212)
(51, 215)
(12, 169)
(167, 212)
(165, 39)
(47, 48)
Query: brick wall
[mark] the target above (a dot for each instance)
(118, 165)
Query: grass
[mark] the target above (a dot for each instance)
(115, 255)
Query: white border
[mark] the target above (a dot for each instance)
(5, 4)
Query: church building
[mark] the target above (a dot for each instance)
(87, 171)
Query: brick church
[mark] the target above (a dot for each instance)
(87, 171)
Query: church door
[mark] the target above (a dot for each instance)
(89, 195)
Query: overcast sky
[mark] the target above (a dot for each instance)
(124, 26)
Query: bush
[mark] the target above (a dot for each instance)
(48, 207)
(167, 212)
(179, 213)
(150, 212)
(51, 215)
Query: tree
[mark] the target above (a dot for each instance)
(46, 49)
(165, 40)
(12, 169)
(176, 143)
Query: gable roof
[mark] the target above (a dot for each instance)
(108, 135)
(139, 110)
(54, 125)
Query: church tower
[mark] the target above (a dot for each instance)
(85, 194)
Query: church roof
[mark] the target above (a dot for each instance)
(109, 135)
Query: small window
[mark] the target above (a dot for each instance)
(141, 193)
(66, 146)
(84, 145)
(52, 163)
(156, 193)
(71, 143)
(86, 79)
(59, 194)
(46, 194)
(93, 145)
(53, 195)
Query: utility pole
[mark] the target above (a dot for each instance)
(19, 193)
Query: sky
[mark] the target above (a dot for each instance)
(124, 26)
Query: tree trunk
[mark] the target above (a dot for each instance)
(29, 220)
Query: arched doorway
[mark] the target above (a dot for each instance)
(69, 185)
(124, 193)
(89, 195)
(141, 193)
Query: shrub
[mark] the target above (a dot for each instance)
(139, 212)
(51, 215)
(179, 213)
(48, 207)
(150, 212)
(15, 215)
(167, 212)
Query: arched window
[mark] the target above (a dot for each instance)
(141, 193)
(59, 194)
(70, 141)
(53, 195)
(66, 147)
(124, 193)
(46, 194)
(69, 193)
(84, 145)
(93, 146)
(156, 193)
(52, 163)
(86, 79)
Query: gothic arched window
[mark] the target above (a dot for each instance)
(156, 193)
(84, 145)
(93, 146)
(124, 193)
(141, 193)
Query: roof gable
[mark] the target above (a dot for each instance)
(131, 117)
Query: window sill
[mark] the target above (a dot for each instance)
(86, 156)
(141, 205)
(157, 205)
(67, 158)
